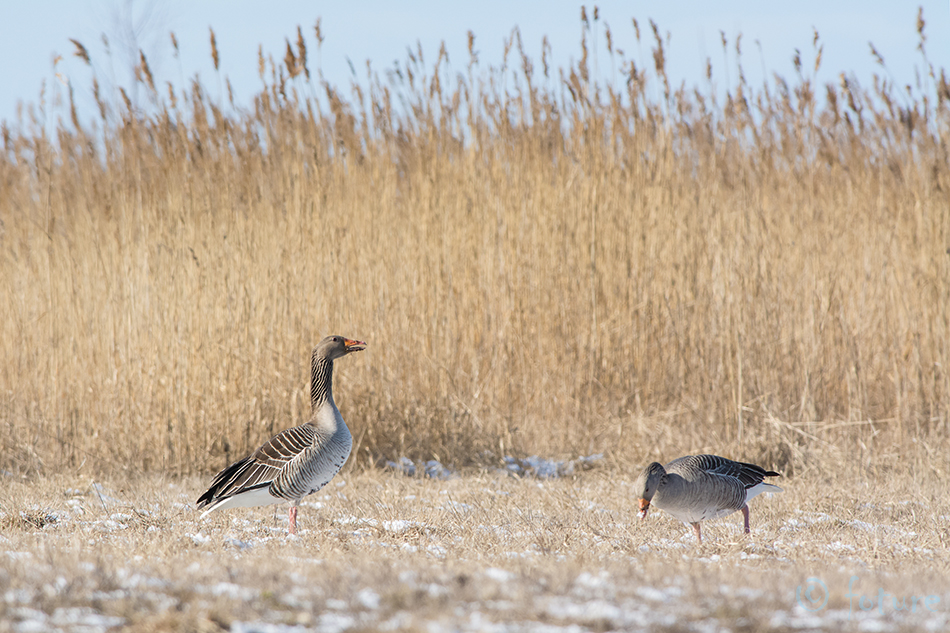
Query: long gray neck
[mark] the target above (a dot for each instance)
(321, 381)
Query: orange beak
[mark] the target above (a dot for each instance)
(644, 507)
(354, 346)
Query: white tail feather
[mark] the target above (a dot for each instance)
(758, 489)
(249, 499)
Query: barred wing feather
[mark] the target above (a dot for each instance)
(749, 475)
(261, 468)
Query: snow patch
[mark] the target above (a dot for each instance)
(403, 465)
(433, 469)
(535, 466)
(368, 598)
(498, 575)
(591, 611)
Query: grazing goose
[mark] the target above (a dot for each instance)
(298, 461)
(700, 487)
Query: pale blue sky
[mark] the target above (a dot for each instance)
(37, 30)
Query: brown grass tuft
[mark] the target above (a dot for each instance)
(27, 520)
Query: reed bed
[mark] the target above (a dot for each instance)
(541, 260)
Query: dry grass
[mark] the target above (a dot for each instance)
(381, 551)
(541, 262)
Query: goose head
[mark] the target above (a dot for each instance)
(646, 485)
(333, 347)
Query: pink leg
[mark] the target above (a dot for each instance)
(293, 519)
(745, 516)
(699, 536)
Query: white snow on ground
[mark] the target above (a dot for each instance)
(398, 525)
(535, 466)
(404, 465)
(74, 618)
(532, 466)
(433, 469)
(498, 575)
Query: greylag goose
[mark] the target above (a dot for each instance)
(296, 462)
(700, 487)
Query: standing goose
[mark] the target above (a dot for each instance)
(700, 487)
(295, 462)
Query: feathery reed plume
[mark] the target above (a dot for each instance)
(174, 43)
(80, 51)
(318, 32)
(126, 100)
(98, 98)
(877, 56)
(943, 88)
(302, 53)
(831, 96)
(290, 61)
(146, 72)
(659, 61)
(172, 99)
(472, 54)
(739, 61)
(214, 49)
(545, 52)
(73, 116)
(507, 44)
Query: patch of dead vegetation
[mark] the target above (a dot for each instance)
(382, 550)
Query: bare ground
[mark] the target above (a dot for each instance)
(379, 550)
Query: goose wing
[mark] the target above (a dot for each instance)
(748, 475)
(261, 468)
